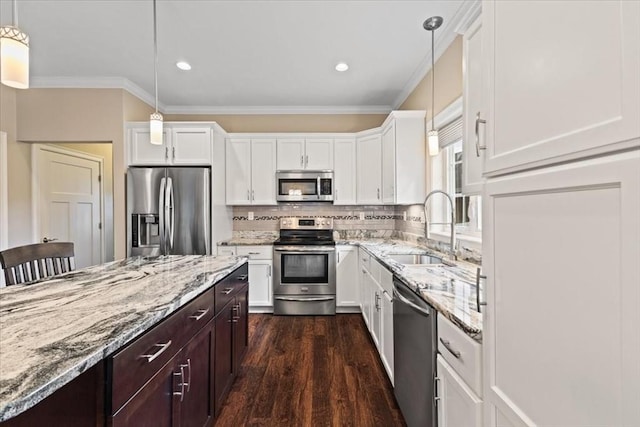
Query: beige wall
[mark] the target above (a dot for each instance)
(19, 171)
(287, 122)
(448, 82)
(80, 115)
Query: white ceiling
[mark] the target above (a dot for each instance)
(247, 56)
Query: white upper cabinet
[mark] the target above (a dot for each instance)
(183, 144)
(305, 153)
(561, 333)
(369, 170)
(263, 171)
(290, 154)
(251, 171)
(472, 157)
(403, 158)
(344, 172)
(190, 145)
(561, 80)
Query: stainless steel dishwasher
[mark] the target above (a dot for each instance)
(414, 353)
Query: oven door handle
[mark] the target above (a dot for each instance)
(310, 299)
(299, 249)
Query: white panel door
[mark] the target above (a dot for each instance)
(69, 203)
(291, 154)
(347, 290)
(344, 172)
(263, 171)
(318, 153)
(472, 157)
(562, 79)
(389, 163)
(369, 170)
(260, 283)
(238, 171)
(191, 145)
(561, 333)
(458, 405)
(143, 152)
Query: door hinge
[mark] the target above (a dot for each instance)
(99, 178)
(99, 226)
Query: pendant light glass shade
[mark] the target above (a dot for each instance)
(432, 24)
(433, 142)
(14, 54)
(155, 127)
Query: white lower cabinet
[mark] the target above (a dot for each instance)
(458, 377)
(561, 334)
(260, 274)
(375, 292)
(386, 304)
(458, 405)
(347, 288)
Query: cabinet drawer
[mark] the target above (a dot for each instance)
(224, 250)
(131, 368)
(461, 352)
(226, 289)
(256, 252)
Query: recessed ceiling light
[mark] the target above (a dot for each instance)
(342, 66)
(183, 65)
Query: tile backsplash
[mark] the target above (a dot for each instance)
(378, 222)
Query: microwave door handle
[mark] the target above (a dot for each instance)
(318, 188)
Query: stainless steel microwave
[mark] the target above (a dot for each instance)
(304, 186)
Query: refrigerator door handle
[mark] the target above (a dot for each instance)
(161, 212)
(171, 219)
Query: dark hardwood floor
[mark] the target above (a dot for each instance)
(310, 371)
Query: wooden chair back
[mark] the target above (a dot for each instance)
(27, 263)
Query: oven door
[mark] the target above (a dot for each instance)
(304, 270)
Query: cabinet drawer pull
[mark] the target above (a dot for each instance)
(234, 320)
(200, 314)
(447, 345)
(227, 291)
(161, 349)
(254, 253)
(243, 277)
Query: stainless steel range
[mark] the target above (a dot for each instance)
(304, 267)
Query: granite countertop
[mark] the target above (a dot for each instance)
(251, 238)
(53, 330)
(449, 289)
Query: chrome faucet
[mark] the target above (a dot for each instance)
(452, 223)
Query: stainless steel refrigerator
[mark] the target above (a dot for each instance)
(168, 211)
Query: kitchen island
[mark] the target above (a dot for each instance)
(54, 330)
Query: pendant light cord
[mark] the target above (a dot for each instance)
(15, 13)
(433, 79)
(155, 52)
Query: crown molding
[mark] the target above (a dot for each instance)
(473, 12)
(247, 110)
(450, 32)
(95, 83)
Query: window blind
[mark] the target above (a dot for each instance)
(450, 133)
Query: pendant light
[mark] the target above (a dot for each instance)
(155, 121)
(14, 54)
(432, 24)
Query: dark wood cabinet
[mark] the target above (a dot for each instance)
(231, 341)
(155, 404)
(196, 406)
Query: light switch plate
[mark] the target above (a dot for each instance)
(250, 216)
(361, 216)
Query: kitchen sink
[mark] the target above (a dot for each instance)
(415, 259)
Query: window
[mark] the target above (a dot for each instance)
(446, 174)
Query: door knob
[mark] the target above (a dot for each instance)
(47, 240)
